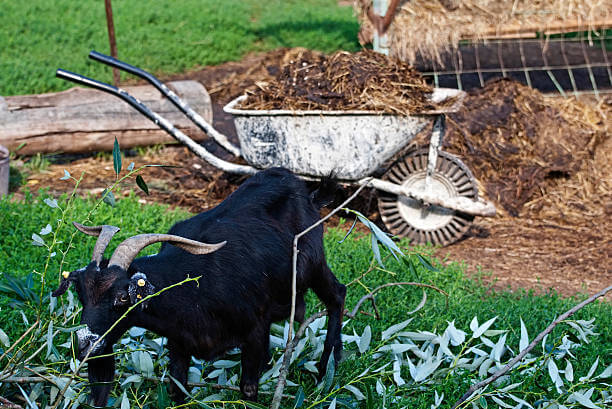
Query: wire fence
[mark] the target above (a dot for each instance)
(566, 64)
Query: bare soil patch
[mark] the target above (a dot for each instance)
(545, 163)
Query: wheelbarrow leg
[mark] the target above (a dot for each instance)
(435, 144)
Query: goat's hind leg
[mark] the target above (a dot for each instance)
(255, 353)
(327, 287)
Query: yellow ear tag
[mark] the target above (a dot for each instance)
(141, 282)
(138, 296)
(65, 274)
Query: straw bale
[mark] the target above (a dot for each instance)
(428, 28)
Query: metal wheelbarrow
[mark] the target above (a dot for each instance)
(426, 195)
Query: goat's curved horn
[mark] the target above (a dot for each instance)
(104, 233)
(129, 248)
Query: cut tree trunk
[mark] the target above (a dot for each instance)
(86, 120)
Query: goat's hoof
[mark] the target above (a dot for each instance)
(250, 391)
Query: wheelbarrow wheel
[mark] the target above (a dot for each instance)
(423, 223)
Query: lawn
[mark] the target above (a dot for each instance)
(467, 298)
(161, 36)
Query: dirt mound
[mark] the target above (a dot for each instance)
(365, 80)
(518, 143)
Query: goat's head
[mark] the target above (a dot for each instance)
(106, 289)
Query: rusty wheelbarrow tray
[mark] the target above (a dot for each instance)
(429, 196)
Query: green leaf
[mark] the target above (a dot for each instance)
(37, 240)
(369, 398)
(481, 329)
(163, 401)
(49, 339)
(425, 263)
(223, 363)
(142, 185)
(500, 402)
(569, 371)
(376, 250)
(483, 402)
(125, 403)
(52, 203)
(553, 371)
(410, 264)
(420, 305)
(607, 373)
(146, 364)
(386, 334)
(364, 341)
(583, 400)
(332, 405)
(4, 339)
(116, 157)
(329, 373)
(299, 398)
(132, 379)
(349, 231)
(358, 394)
(524, 342)
(108, 197)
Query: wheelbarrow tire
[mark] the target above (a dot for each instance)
(407, 217)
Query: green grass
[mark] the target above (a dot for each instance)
(467, 297)
(162, 36)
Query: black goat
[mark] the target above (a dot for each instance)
(245, 282)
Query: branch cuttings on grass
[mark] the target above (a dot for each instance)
(533, 343)
(5, 403)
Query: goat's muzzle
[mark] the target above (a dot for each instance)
(87, 343)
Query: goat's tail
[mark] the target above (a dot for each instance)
(325, 193)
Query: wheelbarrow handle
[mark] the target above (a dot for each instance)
(82, 80)
(168, 93)
(113, 62)
(110, 89)
(158, 120)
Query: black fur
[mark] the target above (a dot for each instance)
(244, 286)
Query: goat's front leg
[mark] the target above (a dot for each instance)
(179, 366)
(255, 352)
(101, 372)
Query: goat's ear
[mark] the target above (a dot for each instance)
(140, 288)
(67, 279)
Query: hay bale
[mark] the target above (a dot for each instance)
(429, 27)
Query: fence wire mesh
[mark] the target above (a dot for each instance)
(566, 64)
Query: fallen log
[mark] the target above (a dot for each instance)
(86, 120)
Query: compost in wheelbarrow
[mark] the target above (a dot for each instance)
(440, 190)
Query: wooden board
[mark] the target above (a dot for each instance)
(86, 120)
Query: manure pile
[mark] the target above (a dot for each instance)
(365, 80)
(533, 153)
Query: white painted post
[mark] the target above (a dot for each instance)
(381, 42)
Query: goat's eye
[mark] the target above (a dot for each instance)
(121, 299)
